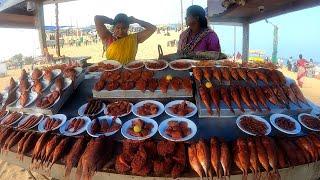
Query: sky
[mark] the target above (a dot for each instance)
(298, 31)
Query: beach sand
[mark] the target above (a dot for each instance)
(147, 50)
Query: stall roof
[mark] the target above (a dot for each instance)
(235, 13)
(255, 10)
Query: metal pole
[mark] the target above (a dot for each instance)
(181, 8)
(275, 45)
(235, 42)
(40, 27)
(57, 30)
(245, 42)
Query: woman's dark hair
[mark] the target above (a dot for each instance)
(198, 11)
(121, 18)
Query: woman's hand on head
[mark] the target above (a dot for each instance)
(132, 20)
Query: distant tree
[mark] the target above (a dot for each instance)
(28, 60)
(17, 59)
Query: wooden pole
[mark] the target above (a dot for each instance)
(181, 8)
(57, 30)
(40, 26)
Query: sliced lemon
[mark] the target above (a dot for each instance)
(168, 77)
(208, 85)
(137, 129)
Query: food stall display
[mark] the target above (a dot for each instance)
(153, 81)
(213, 157)
(164, 136)
(232, 91)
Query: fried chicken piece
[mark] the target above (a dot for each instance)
(24, 98)
(177, 170)
(164, 84)
(127, 85)
(180, 156)
(139, 160)
(165, 148)
(36, 74)
(144, 171)
(24, 85)
(48, 75)
(147, 75)
(24, 74)
(99, 85)
(59, 84)
(122, 164)
(187, 84)
(112, 85)
(176, 83)
(130, 146)
(12, 85)
(162, 166)
(141, 85)
(151, 148)
(70, 73)
(197, 73)
(135, 75)
(37, 86)
(125, 75)
(152, 84)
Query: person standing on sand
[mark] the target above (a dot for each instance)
(198, 37)
(302, 71)
(119, 45)
(289, 64)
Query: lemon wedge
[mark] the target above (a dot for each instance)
(137, 129)
(168, 77)
(208, 85)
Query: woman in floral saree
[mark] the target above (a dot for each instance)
(198, 37)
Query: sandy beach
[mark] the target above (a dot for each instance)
(147, 50)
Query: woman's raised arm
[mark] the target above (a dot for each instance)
(145, 34)
(102, 30)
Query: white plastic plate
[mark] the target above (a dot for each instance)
(274, 117)
(127, 125)
(103, 118)
(66, 84)
(83, 108)
(190, 104)
(56, 116)
(133, 63)
(122, 115)
(41, 116)
(300, 120)
(117, 64)
(164, 125)
(139, 104)
(32, 97)
(178, 61)
(2, 121)
(256, 118)
(63, 131)
(154, 61)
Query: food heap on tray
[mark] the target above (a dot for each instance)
(251, 90)
(143, 79)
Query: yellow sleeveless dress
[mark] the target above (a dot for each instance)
(123, 50)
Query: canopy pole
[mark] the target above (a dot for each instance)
(57, 31)
(245, 42)
(40, 26)
(181, 9)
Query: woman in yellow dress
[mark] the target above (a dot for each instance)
(120, 45)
